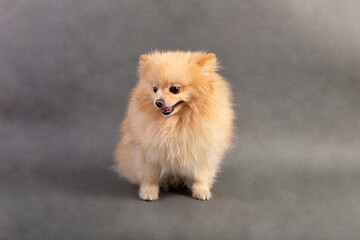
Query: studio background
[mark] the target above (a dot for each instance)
(66, 69)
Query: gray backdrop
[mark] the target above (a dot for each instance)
(66, 69)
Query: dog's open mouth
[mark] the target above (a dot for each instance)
(169, 110)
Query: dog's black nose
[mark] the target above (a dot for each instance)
(160, 103)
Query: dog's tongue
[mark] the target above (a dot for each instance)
(166, 109)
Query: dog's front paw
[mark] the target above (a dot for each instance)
(149, 192)
(201, 191)
(201, 194)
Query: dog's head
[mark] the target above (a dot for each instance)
(177, 80)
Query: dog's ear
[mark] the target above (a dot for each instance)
(143, 58)
(208, 62)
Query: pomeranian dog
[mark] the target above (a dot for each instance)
(178, 125)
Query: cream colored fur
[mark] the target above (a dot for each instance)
(189, 144)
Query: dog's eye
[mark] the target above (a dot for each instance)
(174, 89)
(155, 89)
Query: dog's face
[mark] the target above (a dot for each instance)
(176, 80)
(168, 97)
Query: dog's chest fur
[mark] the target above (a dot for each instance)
(177, 145)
